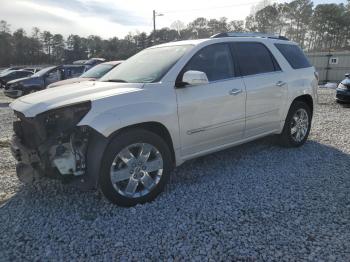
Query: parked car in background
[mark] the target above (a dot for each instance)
(343, 90)
(92, 74)
(42, 79)
(93, 62)
(89, 63)
(12, 68)
(79, 62)
(12, 75)
(32, 69)
(167, 104)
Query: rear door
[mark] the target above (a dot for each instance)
(213, 114)
(265, 87)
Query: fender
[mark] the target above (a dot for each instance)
(114, 113)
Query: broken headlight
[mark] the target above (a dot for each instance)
(65, 118)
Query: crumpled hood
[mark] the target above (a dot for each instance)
(71, 81)
(42, 101)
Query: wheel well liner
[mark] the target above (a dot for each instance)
(154, 127)
(307, 99)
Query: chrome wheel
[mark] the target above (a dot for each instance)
(136, 170)
(299, 125)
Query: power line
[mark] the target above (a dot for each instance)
(209, 8)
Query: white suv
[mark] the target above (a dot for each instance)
(169, 103)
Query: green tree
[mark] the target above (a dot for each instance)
(19, 46)
(299, 13)
(76, 48)
(6, 44)
(4, 27)
(265, 19)
(95, 46)
(236, 26)
(46, 38)
(57, 46)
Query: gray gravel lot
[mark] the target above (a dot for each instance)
(253, 202)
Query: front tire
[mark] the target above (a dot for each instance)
(297, 125)
(136, 166)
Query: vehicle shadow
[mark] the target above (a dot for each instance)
(256, 185)
(256, 157)
(345, 105)
(265, 151)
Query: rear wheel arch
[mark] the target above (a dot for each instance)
(302, 123)
(307, 99)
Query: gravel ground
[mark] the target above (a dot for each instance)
(253, 202)
(4, 100)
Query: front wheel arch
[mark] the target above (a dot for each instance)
(154, 127)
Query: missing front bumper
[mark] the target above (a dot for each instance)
(26, 158)
(22, 153)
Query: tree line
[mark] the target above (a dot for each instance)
(315, 28)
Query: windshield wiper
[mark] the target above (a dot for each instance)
(116, 80)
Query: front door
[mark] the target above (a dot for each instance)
(213, 114)
(52, 77)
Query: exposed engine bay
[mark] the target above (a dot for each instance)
(51, 143)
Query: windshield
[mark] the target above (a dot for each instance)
(147, 66)
(97, 71)
(5, 72)
(44, 71)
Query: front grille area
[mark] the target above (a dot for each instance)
(343, 97)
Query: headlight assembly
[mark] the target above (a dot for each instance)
(15, 85)
(64, 118)
(341, 86)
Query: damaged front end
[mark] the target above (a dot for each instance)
(51, 144)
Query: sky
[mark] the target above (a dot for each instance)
(109, 18)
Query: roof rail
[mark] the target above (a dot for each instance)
(250, 34)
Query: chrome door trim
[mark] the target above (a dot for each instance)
(207, 128)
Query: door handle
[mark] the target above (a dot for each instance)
(235, 92)
(280, 83)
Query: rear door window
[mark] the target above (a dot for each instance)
(254, 58)
(77, 71)
(214, 60)
(23, 73)
(73, 71)
(294, 55)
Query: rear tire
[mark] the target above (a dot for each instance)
(297, 125)
(129, 179)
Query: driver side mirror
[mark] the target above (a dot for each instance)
(194, 78)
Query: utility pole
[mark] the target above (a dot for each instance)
(154, 23)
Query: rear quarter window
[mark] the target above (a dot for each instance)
(294, 55)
